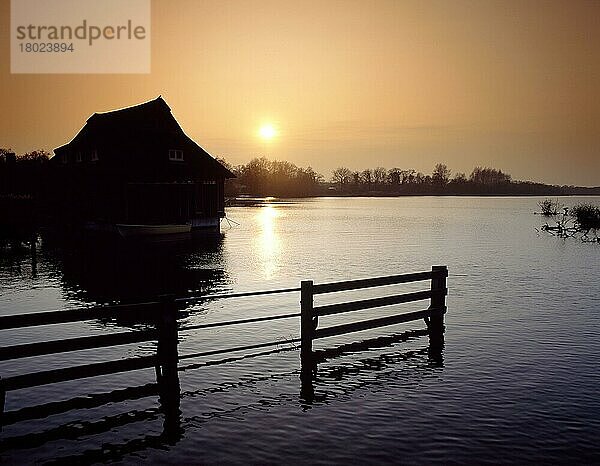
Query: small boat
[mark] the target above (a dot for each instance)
(129, 230)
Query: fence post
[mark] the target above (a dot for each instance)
(167, 337)
(306, 324)
(438, 299)
(167, 359)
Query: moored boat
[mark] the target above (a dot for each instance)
(129, 230)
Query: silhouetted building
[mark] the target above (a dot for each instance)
(135, 171)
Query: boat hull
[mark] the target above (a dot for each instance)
(128, 230)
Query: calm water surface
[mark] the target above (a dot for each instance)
(518, 380)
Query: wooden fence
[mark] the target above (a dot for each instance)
(433, 315)
(166, 331)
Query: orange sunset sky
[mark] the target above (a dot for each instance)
(513, 85)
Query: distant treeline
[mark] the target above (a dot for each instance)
(263, 177)
(22, 175)
(481, 181)
(22, 182)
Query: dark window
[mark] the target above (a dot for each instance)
(176, 154)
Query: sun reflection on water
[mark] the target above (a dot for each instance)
(268, 243)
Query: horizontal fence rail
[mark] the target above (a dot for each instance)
(78, 372)
(35, 319)
(374, 323)
(236, 295)
(134, 310)
(76, 344)
(240, 348)
(372, 282)
(166, 332)
(371, 303)
(238, 322)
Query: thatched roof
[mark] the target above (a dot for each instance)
(141, 135)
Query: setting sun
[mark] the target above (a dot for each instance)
(267, 132)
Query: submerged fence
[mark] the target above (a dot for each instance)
(166, 331)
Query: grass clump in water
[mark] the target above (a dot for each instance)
(587, 216)
(549, 207)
